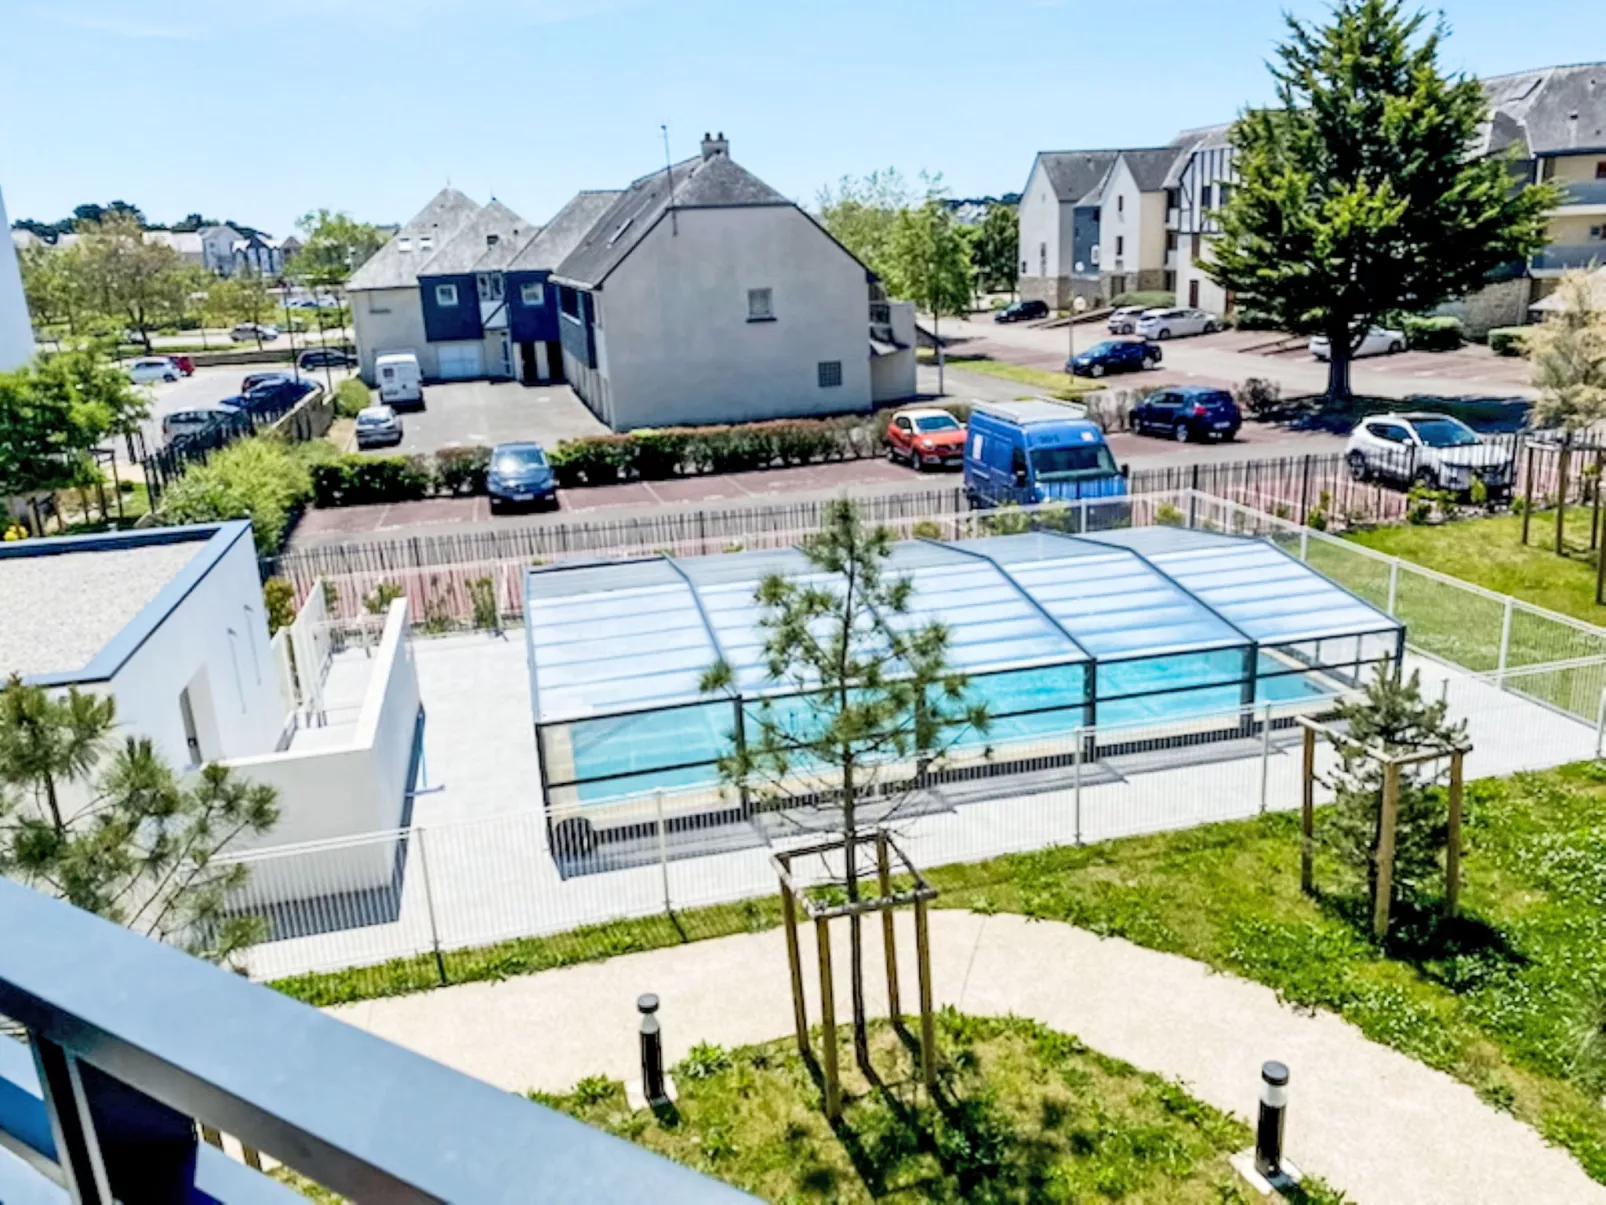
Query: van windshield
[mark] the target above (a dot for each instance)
(1074, 462)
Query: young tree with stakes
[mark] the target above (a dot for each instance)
(1361, 193)
(865, 691)
(111, 829)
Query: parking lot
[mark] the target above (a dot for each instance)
(492, 412)
(210, 385)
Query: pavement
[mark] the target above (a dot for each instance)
(1367, 1119)
(493, 412)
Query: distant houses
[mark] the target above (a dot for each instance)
(219, 249)
(696, 294)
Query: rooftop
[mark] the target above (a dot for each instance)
(396, 264)
(559, 237)
(486, 241)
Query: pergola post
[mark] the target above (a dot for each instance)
(833, 1086)
(1387, 820)
(1452, 844)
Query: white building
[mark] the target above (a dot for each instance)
(210, 248)
(16, 331)
(1200, 181)
(701, 295)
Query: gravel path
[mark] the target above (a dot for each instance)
(1373, 1122)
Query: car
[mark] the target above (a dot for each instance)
(1114, 355)
(150, 369)
(926, 437)
(247, 332)
(1186, 413)
(269, 394)
(1124, 321)
(1034, 451)
(1429, 449)
(1022, 311)
(325, 357)
(1171, 323)
(254, 379)
(1378, 341)
(519, 472)
(378, 425)
(195, 420)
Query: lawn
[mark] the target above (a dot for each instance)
(1056, 384)
(1022, 1114)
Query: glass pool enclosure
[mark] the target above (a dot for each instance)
(1059, 634)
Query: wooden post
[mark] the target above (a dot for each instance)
(928, 1032)
(800, 1012)
(1594, 498)
(1528, 497)
(888, 937)
(1307, 816)
(833, 1088)
(1385, 849)
(1452, 844)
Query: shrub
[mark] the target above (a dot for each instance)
(1439, 332)
(1259, 397)
(378, 601)
(461, 470)
(259, 479)
(351, 396)
(1509, 340)
(279, 597)
(482, 594)
(1148, 298)
(360, 480)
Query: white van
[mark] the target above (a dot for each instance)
(400, 381)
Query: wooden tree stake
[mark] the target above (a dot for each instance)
(1307, 816)
(1385, 849)
(833, 1087)
(928, 1034)
(794, 961)
(1452, 844)
(888, 937)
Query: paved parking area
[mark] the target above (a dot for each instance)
(492, 412)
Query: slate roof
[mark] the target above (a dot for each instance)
(392, 268)
(714, 182)
(559, 237)
(464, 250)
(1075, 174)
(1549, 111)
(1151, 165)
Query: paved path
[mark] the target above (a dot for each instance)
(1380, 1126)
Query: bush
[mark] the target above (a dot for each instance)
(351, 396)
(260, 479)
(279, 598)
(461, 471)
(1259, 397)
(1149, 299)
(1433, 332)
(362, 480)
(1509, 340)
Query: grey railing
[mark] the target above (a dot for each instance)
(1584, 192)
(1560, 256)
(132, 1044)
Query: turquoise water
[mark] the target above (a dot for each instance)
(677, 748)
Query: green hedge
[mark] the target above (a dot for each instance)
(1509, 340)
(262, 479)
(1151, 299)
(363, 480)
(1433, 333)
(351, 396)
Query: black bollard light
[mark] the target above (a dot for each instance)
(652, 1051)
(1273, 1108)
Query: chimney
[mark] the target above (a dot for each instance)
(717, 145)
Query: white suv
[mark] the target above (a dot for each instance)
(1166, 324)
(1124, 321)
(1434, 450)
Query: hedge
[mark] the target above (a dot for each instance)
(1433, 333)
(351, 396)
(1150, 299)
(1509, 340)
(364, 480)
(262, 479)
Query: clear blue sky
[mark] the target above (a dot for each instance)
(260, 112)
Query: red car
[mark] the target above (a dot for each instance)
(926, 438)
(185, 364)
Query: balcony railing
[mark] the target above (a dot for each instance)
(1559, 257)
(134, 1044)
(1584, 192)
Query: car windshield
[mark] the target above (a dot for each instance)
(1073, 462)
(1444, 432)
(515, 459)
(1103, 349)
(937, 422)
(372, 418)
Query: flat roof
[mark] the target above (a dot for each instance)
(78, 606)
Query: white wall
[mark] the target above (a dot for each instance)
(1042, 224)
(16, 331)
(1211, 295)
(1120, 217)
(674, 336)
(893, 378)
(386, 320)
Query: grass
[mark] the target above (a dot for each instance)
(1057, 384)
(1510, 998)
(1021, 1114)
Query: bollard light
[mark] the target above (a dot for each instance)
(1273, 1107)
(652, 1051)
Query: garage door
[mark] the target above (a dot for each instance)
(460, 361)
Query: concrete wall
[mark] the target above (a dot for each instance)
(675, 345)
(16, 331)
(1504, 303)
(386, 320)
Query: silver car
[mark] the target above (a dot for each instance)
(377, 426)
(1171, 323)
(1124, 321)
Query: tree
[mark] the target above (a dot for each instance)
(996, 249)
(336, 245)
(141, 284)
(868, 690)
(54, 411)
(243, 297)
(1568, 357)
(862, 215)
(930, 265)
(54, 281)
(1359, 194)
(1391, 716)
(111, 830)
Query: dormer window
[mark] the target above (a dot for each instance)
(404, 243)
(426, 242)
(446, 296)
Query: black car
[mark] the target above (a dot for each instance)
(1188, 412)
(1022, 311)
(1114, 355)
(325, 357)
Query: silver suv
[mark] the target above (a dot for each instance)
(1434, 450)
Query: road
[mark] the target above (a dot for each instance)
(209, 385)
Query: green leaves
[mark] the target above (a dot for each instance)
(54, 411)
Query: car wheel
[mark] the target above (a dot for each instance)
(1096, 370)
(497, 506)
(1180, 433)
(1163, 333)
(1357, 466)
(1210, 328)
(892, 454)
(1133, 422)
(1396, 347)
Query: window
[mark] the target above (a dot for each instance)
(1170, 240)
(569, 302)
(760, 305)
(1042, 259)
(426, 242)
(830, 373)
(445, 296)
(1197, 246)
(489, 285)
(1023, 267)
(1222, 190)
(902, 423)
(404, 243)
(1600, 169)
(1120, 203)
(1596, 232)
(1205, 197)
(192, 737)
(533, 293)
(1120, 245)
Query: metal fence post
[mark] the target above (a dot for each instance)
(1076, 776)
(1505, 645)
(1082, 530)
(1600, 722)
(663, 848)
(1394, 583)
(429, 902)
(1265, 754)
(1304, 544)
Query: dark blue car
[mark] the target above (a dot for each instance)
(519, 473)
(1187, 412)
(1114, 355)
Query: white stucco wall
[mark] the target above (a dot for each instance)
(893, 378)
(386, 320)
(16, 331)
(674, 341)
(1044, 229)
(1211, 295)
(1120, 223)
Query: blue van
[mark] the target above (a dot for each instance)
(1034, 451)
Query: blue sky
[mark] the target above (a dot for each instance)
(262, 112)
